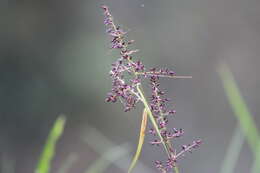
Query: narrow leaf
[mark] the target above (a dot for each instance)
(48, 152)
(242, 113)
(239, 107)
(141, 141)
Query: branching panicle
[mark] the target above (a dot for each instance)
(127, 90)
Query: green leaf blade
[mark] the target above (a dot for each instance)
(140, 142)
(239, 107)
(48, 152)
(242, 114)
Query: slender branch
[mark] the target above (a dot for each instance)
(163, 75)
(152, 119)
(150, 114)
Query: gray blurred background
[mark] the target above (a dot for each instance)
(54, 59)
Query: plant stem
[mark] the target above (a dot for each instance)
(176, 169)
(162, 75)
(150, 114)
(152, 118)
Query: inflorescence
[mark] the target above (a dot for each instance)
(127, 75)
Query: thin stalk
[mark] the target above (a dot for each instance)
(176, 169)
(150, 114)
(162, 75)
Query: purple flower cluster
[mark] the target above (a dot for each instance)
(171, 162)
(123, 88)
(127, 75)
(158, 106)
(157, 103)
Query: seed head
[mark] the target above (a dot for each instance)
(127, 74)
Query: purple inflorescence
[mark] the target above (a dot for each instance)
(122, 89)
(127, 74)
(172, 160)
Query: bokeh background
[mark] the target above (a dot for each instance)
(55, 58)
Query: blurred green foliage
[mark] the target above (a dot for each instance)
(242, 114)
(48, 152)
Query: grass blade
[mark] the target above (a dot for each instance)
(239, 108)
(242, 113)
(140, 142)
(48, 152)
(233, 151)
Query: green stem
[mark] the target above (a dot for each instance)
(176, 169)
(150, 114)
(152, 118)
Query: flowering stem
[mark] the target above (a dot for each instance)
(129, 91)
(150, 114)
(152, 118)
